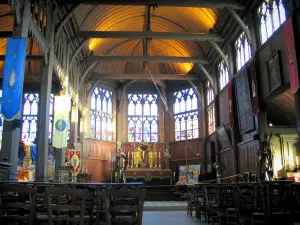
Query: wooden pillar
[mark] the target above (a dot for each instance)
(234, 129)
(74, 112)
(202, 124)
(11, 129)
(44, 105)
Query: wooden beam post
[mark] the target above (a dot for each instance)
(11, 132)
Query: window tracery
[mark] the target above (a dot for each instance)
(243, 50)
(186, 115)
(210, 109)
(271, 14)
(142, 118)
(223, 74)
(102, 114)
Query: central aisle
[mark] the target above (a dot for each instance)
(170, 218)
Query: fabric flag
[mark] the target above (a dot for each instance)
(13, 77)
(230, 106)
(254, 89)
(75, 160)
(291, 53)
(60, 123)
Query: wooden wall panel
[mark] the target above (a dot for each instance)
(97, 159)
(265, 53)
(177, 149)
(223, 106)
(226, 158)
(247, 156)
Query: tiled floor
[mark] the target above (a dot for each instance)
(170, 218)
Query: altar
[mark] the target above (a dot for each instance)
(153, 176)
(148, 164)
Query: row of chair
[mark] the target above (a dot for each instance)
(245, 203)
(24, 204)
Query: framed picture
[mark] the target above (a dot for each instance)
(274, 72)
(223, 138)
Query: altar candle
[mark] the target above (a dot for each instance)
(128, 155)
(158, 155)
(297, 160)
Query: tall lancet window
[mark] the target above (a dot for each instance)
(271, 14)
(243, 50)
(223, 74)
(102, 114)
(142, 118)
(186, 114)
(30, 115)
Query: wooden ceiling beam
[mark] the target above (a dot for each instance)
(162, 59)
(28, 57)
(235, 4)
(141, 76)
(148, 34)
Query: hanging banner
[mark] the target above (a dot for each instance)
(230, 106)
(13, 77)
(253, 83)
(60, 122)
(291, 53)
(75, 160)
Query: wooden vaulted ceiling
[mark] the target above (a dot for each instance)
(163, 19)
(32, 68)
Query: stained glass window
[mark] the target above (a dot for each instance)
(30, 114)
(271, 14)
(102, 114)
(51, 115)
(142, 118)
(186, 114)
(223, 74)
(243, 50)
(210, 108)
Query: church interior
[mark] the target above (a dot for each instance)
(193, 102)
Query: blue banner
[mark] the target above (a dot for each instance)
(13, 77)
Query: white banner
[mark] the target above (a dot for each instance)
(60, 122)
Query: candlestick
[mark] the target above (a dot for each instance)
(132, 159)
(159, 165)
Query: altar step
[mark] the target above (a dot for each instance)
(165, 206)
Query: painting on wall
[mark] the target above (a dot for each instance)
(274, 72)
(189, 174)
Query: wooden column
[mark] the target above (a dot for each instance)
(202, 124)
(11, 129)
(74, 113)
(234, 129)
(44, 105)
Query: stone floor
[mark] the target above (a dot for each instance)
(170, 218)
(165, 206)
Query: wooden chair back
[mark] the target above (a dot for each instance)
(17, 204)
(66, 205)
(124, 205)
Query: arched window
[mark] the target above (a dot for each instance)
(223, 74)
(210, 104)
(30, 115)
(243, 50)
(271, 14)
(142, 118)
(186, 115)
(102, 114)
